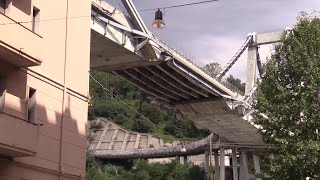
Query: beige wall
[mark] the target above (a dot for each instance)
(65, 52)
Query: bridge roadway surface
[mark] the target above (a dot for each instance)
(121, 44)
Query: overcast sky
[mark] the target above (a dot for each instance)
(213, 32)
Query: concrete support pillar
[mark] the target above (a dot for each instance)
(177, 158)
(216, 164)
(251, 68)
(234, 164)
(222, 162)
(244, 173)
(181, 159)
(256, 165)
(185, 159)
(206, 163)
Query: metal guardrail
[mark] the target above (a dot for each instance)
(231, 87)
(117, 4)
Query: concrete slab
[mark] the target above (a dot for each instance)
(217, 117)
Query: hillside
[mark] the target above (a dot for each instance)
(116, 99)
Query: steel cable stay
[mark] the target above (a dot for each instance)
(235, 57)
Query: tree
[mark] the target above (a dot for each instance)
(237, 83)
(212, 69)
(288, 96)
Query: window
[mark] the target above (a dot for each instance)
(2, 6)
(2, 84)
(35, 19)
(2, 92)
(31, 104)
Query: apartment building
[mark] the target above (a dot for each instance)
(44, 64)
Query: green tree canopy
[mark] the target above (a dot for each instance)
(288, 96)
(236, 82)
(212, 69)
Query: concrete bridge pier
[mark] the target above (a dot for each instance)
(244, 172)
(185, 159)
(216, 163)
(251, 68)
(234, 164)
(178, 158)
(256, 165)
(206, 164)
(182, 159)
(222, 164)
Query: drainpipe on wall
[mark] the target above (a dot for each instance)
(64, 92)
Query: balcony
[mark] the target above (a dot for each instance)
(18, 137)
(19, 46)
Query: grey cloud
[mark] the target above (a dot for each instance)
(215, 31)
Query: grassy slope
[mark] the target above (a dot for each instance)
(150, 118)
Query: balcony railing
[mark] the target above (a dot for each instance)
(18, 137)
(19, 45)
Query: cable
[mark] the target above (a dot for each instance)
(142, 10)
(54, 19)
(122, 101)
(179, 5)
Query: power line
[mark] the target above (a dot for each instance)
(44, 20)
(142, 10)
(130, 107)
(122, 101)
(178, 5)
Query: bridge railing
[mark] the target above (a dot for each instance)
(118, 6)
(231, 87)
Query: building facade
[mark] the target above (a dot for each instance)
(44, 65)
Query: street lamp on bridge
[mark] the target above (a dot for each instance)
(158, 22)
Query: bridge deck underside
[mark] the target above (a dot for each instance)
(166, 85)
(107, 55)
(164, 82)
(216, 116)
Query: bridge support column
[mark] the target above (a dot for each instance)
(244, 173)
(185, 159)
(251, 68)
(216, 164)
(234, 164)
(177, 158)
(256, 165)
(222, 162)
(206, 163)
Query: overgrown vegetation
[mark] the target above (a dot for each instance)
(142, 170)
(151, 118)
(213, 70)
(289, 96)
(127, 106)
